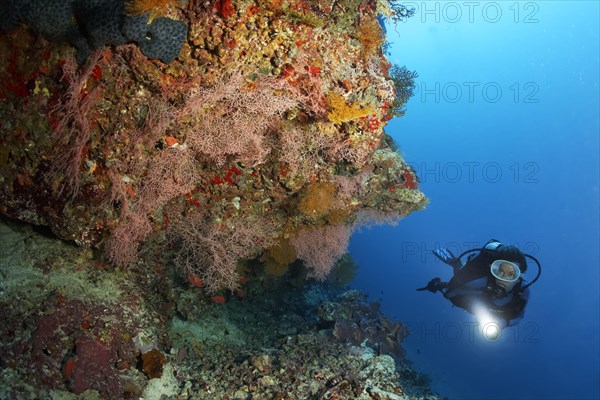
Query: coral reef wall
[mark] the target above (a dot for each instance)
(263, 136)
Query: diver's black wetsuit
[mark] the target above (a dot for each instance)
(473, 286)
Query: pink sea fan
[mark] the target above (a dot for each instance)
(322, 247)
(122, 246)
(211, 250)
(171, 173)
(74, 125)
(303, 148)
(231, 119)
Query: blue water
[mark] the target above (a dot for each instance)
(504, 133)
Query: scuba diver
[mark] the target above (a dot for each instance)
(489, 285)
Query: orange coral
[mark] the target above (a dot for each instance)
(344, 112)
(283, 252)
(152, 7)
(152, 363)
(371, 36)
(225, 8)
(338, 216)
(318, 199)
(278, 257)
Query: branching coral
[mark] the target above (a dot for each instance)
(72, 122)
(321, 248)
(232, 118)
(211, 250)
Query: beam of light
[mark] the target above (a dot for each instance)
(491, 329)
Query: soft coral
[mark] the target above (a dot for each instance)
(153, 7)
(410, 181)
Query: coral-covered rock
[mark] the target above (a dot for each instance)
(93, 369)
(269, 124)
(275, 343)
(76, 341)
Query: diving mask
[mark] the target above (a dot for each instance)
(507, 273)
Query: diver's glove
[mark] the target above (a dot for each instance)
(434, 285)
(447, 257)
